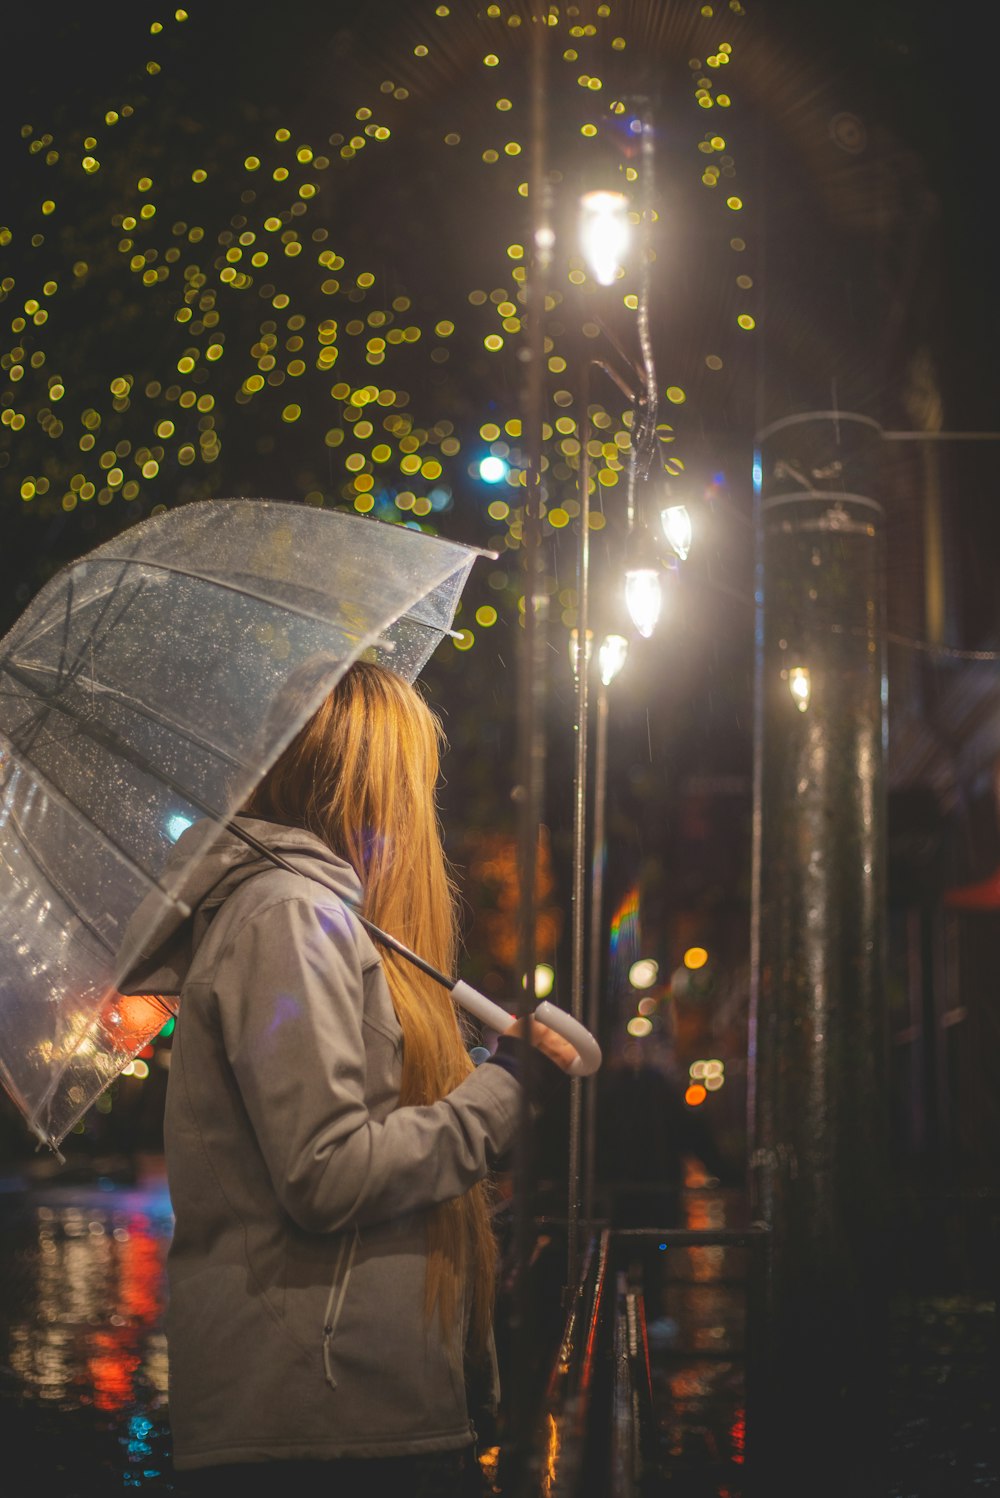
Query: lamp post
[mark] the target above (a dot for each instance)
(611, 658)
(603, 224)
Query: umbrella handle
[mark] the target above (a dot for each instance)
(588, 1057)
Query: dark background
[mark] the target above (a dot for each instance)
(862, 143)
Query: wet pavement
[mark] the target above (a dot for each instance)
(83, 1358)
(83, 1363)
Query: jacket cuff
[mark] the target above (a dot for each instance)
(507, 1055)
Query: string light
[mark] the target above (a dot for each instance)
(235, 282)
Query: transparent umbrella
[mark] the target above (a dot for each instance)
(150, 685)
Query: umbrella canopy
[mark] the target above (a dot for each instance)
(150, 685)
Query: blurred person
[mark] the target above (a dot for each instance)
(328, 1140)
(646, 1135)
(646, 1132)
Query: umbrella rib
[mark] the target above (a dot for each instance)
(73, 672)
(152, 714)
(50, 789)
(258, 597)
(107, 599)
(67, 616)
(218, 582)
(57, 885)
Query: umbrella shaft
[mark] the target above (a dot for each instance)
(370, 927)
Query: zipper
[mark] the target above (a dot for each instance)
(335, 1301)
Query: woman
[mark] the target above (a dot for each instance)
(328, 1140)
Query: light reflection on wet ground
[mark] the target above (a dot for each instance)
(942, 1437)
(696, 1299)
(83, 1365)
(83, 1359)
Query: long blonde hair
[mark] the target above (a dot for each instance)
(362, 775)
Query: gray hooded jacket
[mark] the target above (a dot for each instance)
(296, 1325)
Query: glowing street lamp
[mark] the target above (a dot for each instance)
(604, 233)
(643, 598)
(611, 657)
(676, 523)
(800, 686)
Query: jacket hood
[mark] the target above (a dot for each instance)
(206, 866)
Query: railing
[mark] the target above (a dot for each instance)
(633, 1446)
(597, 1436)
(571, 1436)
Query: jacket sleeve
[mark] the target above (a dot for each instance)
(290, 990)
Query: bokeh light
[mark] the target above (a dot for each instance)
(193, 310)
(644, 973)
(544, 980)
(493, 470)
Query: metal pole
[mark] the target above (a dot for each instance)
(817, 1074)
(528, 793)
(580, 728)
(595, 962)
(586, 975)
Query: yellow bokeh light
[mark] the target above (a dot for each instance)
(695, 957)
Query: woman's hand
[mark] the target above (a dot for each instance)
(548, 1042)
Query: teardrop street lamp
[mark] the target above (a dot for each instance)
(676, 523)
(643, 598)
(611, 657)
(643, 592)
(605, 233)
(800, 686)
